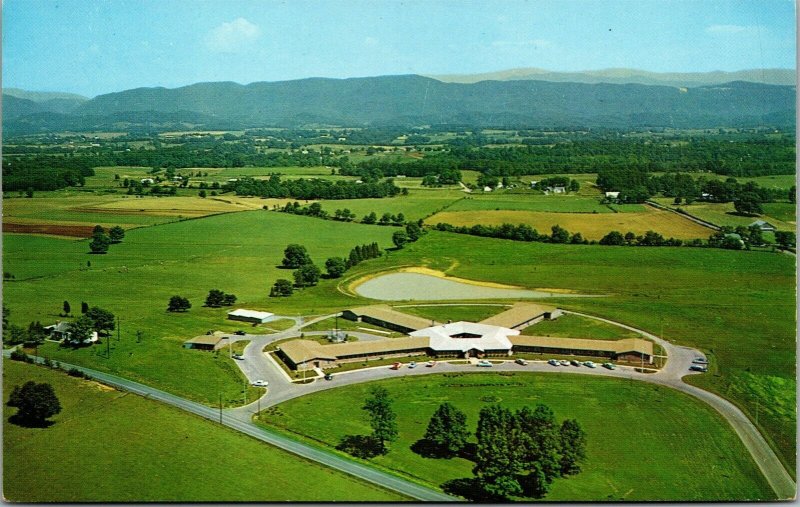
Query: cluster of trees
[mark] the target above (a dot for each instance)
(32, 336)
(558, 181)
(413, 231)
(444, 177)
(217, 299)
(101, 241)
(312, 188)
(95, 319)
(636, 185)
(35, 403)
(179, 304)
(45, 172)
(650, 238)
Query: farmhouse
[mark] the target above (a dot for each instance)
(763, 226)
(206, 342)
(60, 331)
(556, 190)
(385, 316)
(251, 316)
(612, 195)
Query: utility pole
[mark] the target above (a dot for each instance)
(108, 347)
(118, 330)
(244, 385)
(220, 408)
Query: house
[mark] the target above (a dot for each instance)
(763, 226)
(487, 189)
(251, 316)
(60, 332)
(148, 181)
(556, 190)
(533, 184)
(612, 195)
(213, 341)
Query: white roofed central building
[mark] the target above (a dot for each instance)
(468, 339)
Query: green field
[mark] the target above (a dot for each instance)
(236, 253)
(575, 326)
(107, 446)
(784, 211)
(725, 214)
(418, 204)
(641, 438)
(568, 203)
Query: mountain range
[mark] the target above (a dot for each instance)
(410, 100)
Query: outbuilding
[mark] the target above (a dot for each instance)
(252, 316)
(206, 342)
(763, 226)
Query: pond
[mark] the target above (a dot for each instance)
(417, 286)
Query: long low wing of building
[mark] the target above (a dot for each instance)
(385, 316)
(302, 354)
(627, 349)
(522, 315)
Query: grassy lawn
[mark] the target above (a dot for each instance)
(348, 325)
(443, 313)
(575, 326)
(784, 211)
(590, 225)
(77, 459)
(642, 439)
(236, 253)
(724, 214)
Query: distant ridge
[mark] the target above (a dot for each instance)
(629, 76)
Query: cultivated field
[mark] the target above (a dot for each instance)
(107, 446)
(725, 214)
(590, 225)
(569, 203)
(641, 438)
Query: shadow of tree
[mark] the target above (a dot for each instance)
(470, 489)
(361, 446)
(26, 423)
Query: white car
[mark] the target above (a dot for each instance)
(259, 383)
(553, 362)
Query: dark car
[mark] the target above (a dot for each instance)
(328, 376)
(239, 333)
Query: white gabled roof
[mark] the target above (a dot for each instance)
(489, 337)
(250, 313)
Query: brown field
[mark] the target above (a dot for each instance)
(590, 225)
(179, 206)
(71, 231)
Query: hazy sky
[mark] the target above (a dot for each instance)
(94, 46)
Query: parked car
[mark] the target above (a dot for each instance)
(239, 333)
(396, 366)
(610, 366)
(431, 364)
(328, 376)
(412, 364)
(239, 357)
(260, 383)
(521, 361)
(700, 360)
(484, 364)
(554, 362)
(698, 367)
(574, 363)
(590, 364)
(564, 362)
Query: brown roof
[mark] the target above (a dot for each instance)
(615, 346)
(387, 314)
(206, 339)
(517, 314)
(307, 350)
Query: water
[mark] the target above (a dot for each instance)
(417, 286)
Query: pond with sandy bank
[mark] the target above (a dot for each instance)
(418, 286)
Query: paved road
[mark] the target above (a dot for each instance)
(670, 375)
(336, 462)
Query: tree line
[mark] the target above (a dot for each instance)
(312, 188)
(45, 172)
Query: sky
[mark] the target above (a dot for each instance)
(93, 47)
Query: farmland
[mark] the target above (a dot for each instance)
(590, 225)
(618, 417)
(83, 467)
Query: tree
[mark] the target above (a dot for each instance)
(103, 319)
(385, 219)
(559, 235)
(215, 298)
(539, 443)
(84, 307)
(572, 446)
(381, 416)
(116, 234)
(447, 430)
(786, 239)
(574, 186)
(29, 192)
(35, 402)
(613, 238)
(748, 204)
(36, 334)
(178, 304)
(100, 244)
(98, 230)
(66, 308)
(295, 256)
(79, 331)
(335, 266)
(414, 231)
(307, 275)
(399, 238)
(14, 334)
(228, 300)
(370, 219)
(498, 455)
(281, 288)
(202, 194)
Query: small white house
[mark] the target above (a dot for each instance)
(487, 189)
(612, 195)
(147, 180)
(557, 190)
(764, 226)
(60, 332)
